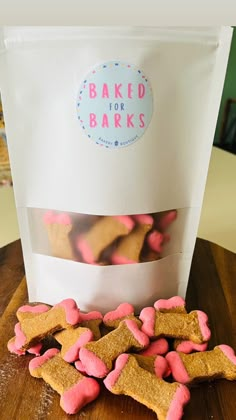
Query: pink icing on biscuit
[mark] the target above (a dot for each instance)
(80, 367)
(155, 240)
(125, 220)
(173, 302)
(205, 331)
(94, 365)
(121, 259)
(159, 346)
(139, 335)
(229, 352)
(35, 349)
(85, 250)
(143, 219)
(71, 309)
(160, 367)
(177, 367)
(20, 339)
(79, 395)
(147, 316)
(73, 353)
(189, 346)
(39, 361)
(34, 309)
(12, 348)
(113, 376)
(49, 217)
(63, 219)
(124, 309)
(181, 397)
(90, 316)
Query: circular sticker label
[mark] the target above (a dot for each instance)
(114, 104)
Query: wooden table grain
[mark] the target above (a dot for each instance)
(211, 288)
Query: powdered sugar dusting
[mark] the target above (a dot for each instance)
(46, 398)
(8, 370)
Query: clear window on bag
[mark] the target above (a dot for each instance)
(107, 240)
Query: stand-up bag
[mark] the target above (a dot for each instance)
(110, 133)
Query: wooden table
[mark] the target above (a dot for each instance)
(212, 288)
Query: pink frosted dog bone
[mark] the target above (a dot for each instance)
(105, 231)
(165, 399)
(95, 357)
(75, 389)
(189, 346)
(155, 241)
(192, 326)
(31, 330)
(123, 311)
(159, 346)
(129, 248)
(72, 340)
(217, 363)
(92, 320)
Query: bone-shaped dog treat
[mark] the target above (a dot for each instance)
(75, 389)
(192, 326)
(33, 350)
(217, 363)
(123, 311)
(165, 399)
(97, 356)
(72, 340)
(92, 320)
(129, 248)
(58, 228)
(176, 304)
(101, 235)
(30, 331)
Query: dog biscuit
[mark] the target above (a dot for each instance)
(75, 389)
(106, 230)
(59, 227)
(97, 356)
(32, 330)
(165, 399)
(192, 326)
(196, 367)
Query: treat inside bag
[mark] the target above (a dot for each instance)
(114, 129)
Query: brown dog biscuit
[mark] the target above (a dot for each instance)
(71, 340)
(129, 248)
(59, 227)
(196, 367)
(106, 230)
(92, 320)
(123, 311)
(32, 330)
(75, 389)
(176, 304)
(165, 399)
(97, 356)
(192, 326)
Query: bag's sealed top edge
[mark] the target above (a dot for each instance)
(11, 36)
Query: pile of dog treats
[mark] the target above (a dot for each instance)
(134, 355)
(108, 240)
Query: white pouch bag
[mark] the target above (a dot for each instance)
(110, 133)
